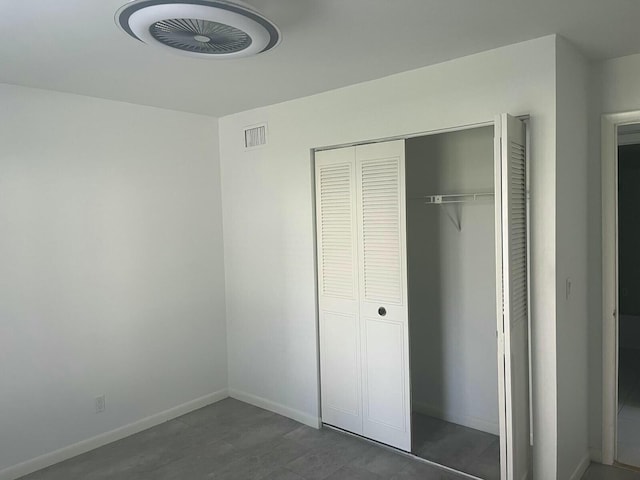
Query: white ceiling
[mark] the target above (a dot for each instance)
(75, 46)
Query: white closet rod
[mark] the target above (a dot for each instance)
(455, 198)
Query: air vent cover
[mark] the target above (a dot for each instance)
(200, 28)
(255, 136)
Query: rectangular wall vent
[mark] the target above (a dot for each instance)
(255, 136)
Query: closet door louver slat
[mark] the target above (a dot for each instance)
(511, 244)
(380, 229)
(518, 233)
(336, 231)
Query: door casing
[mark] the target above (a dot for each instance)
(610, 287)
(523, 118)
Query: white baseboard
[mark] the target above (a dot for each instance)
(65, 453)
(464, 420)
(596, 455)
(278, 408)
(581, 468)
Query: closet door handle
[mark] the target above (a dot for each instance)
(382, 311)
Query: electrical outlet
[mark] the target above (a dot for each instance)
(100, 404)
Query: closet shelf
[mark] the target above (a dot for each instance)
(456, 199)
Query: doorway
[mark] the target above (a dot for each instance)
(621, 288)
(366, 381)
(451, 259)
(628, 434)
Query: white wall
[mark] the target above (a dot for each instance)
(594, 205)
(452, 280)
(112, 267)
(572, 160)
(619, 83)
(269, 227)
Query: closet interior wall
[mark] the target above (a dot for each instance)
(452, 279)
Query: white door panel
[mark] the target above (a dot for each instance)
(385, 413)
(513, 324)
(340, 368)
(381, 213)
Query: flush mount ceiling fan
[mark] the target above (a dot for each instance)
(199, 28)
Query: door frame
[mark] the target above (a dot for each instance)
(526, 120)
(407, 136)
(315, 226)
(610, 288)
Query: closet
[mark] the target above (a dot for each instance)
(451, 272)
(423, 288)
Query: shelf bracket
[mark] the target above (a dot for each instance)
(453, 212)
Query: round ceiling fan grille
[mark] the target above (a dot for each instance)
(200, 28)
(202, 36)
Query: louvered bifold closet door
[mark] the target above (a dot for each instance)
(340, 367)
(511, 202)
(383, 293)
